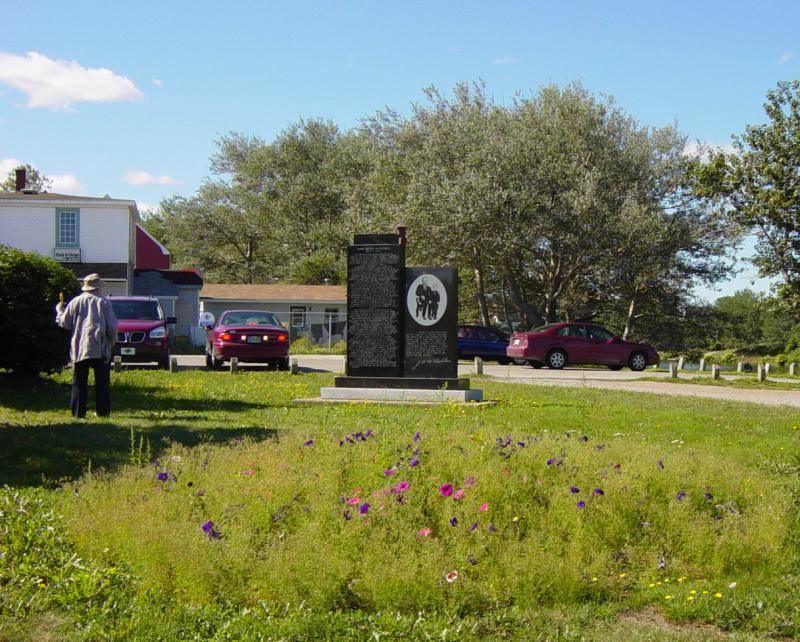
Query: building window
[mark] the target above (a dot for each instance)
(298, 316)
(67, 226)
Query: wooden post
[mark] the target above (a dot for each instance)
(673, 370)
(680, 362)
(478, 365)
(173, 364)
(234, 365)
(714, 371)
(294, 368)
(117, 364)
(702, 365)
(762, 374)
(767, 369)
(740, 366)
(793, 369)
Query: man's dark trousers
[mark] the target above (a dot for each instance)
(80, 378)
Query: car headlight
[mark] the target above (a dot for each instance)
(158, 333)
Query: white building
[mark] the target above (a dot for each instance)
(88, 235)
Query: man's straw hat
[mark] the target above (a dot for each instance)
(92, 282)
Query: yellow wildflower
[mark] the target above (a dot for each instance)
(667, 597)
(717, 595)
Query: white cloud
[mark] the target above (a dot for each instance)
(6, 165)
(65, 184)
(146, 208)
(505, 60)
(158, 83)
(701, 149)
(786, 56)
(57, 84)
(139, 177)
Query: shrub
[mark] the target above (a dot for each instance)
(29, 288)
(304, 346)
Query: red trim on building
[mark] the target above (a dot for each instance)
(150, 254)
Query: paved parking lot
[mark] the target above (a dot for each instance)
(572, 377)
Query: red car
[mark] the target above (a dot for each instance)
(142, 334)
(558, 344)
(250, 336)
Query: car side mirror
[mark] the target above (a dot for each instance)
(171, 320)
(207, 326)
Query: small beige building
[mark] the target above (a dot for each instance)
(315, 311)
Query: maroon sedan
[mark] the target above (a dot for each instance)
(558, 344)
(142, 334)
(250, 336)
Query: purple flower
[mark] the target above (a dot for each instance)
(389, 471)
(470, 481)
(364, 508)
(368, 434)
(454, 521)
(162, 476)
(574, 489)
(200, 493)
(473, 527)
(521, 444)
(400, 499)
(239, 439)
(417, 436)
(413, 462)
(208, 529)
(681, 494)
(661, 464)
(581, 504)
(551, 461)
(491, 528)
(309, 442)
(446, 490)
(708, 496)
(584, 438)
(347, 515)
(598, 491)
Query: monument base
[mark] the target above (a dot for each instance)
(399, 394)
(416, 383)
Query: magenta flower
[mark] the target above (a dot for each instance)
(446, 490)
(581, 504)
(484, 507)
(353, 501)
(574, 489)
(424, 532)
(401, 487)
(364, 508)
(458, 494)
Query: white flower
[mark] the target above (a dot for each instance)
(452, 576)
(732, 585)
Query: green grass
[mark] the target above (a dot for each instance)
(746, 382)
(95, 546)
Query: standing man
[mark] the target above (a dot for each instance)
(90, 318)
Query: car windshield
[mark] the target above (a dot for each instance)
(249, 318)
(137, 310)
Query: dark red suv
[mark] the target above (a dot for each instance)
(142, 335)
(558, 344)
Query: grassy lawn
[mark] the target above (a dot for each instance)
(747, 382)
(209, 507)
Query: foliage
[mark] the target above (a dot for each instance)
(305, 346)
(759, 188)
(233, 451)
(29, 289)
(34, 179)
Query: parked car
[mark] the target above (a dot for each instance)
(251, 336)
(142, 335)
(479, 341)
(558, 344)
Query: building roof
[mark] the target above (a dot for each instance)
(105, 270)
(22, 197)
(178, 277)
(285, 292)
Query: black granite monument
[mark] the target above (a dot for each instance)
(401, 322)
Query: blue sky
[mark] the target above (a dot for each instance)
(179, 73)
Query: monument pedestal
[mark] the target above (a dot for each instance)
(412, 383)
(400, 394)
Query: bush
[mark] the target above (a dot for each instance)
(29, 288)
(303, 346)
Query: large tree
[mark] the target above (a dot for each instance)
(758, 186)
(35, 180)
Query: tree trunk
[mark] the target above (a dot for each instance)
(480, 292)
(629, 320)
(530, 314)
(550, 309)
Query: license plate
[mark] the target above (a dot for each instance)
(516, 342)
(253, 339)
(128, 351)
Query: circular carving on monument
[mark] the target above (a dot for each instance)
(426, 299)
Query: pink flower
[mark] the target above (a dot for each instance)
(424, 532)
(353, 501)
(249, 472)
(469, 482)
(458, 494)
(452, 576)
(446, 490)
(400, 487)
(484, 507)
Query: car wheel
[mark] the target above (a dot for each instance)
(163, 362)
(615, 368)
(504, 361)
(637, 361)
(556, 359)
(520, 362)
(536, 364)
(283, 364)
(216, 364)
